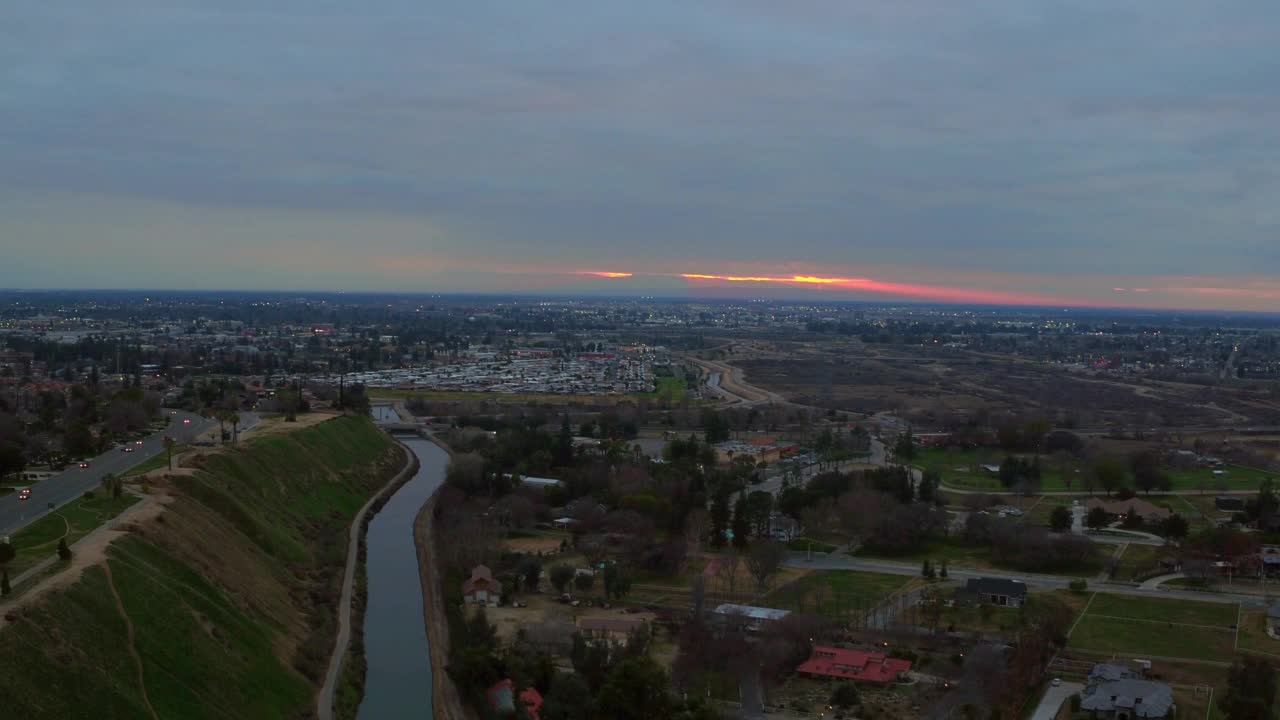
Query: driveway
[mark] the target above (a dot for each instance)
(1053, 699)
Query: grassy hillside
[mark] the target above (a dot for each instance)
(228, 599)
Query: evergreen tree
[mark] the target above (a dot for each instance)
(741, 523)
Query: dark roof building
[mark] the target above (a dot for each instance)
(997, 591)
(1116, 691)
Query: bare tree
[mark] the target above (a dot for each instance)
(764, 559)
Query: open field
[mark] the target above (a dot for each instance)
(1135, 627)
(929, 385)
(836, 593)
(964, 469)
(73, 521)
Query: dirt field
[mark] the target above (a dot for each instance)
(930, 386)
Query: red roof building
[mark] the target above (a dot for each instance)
(856, 665)
(502, 701)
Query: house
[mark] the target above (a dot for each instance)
(1229, 503)
(615, 630)
(1148, 512)
(747, 617)
(1118, 693)
(834, 663)
(481, 588)
(996, 591)
(502, 699)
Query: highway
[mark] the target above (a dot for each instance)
(72, 483)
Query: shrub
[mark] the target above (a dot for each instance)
(1078, 586)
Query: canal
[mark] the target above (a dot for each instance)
(398, 682)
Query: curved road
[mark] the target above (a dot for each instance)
(72, 483)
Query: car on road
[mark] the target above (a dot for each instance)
(186, 421)
(1057, 682)
(173, 412)
(126, 448)
(84, 464)
(137, 442)
(24, 493)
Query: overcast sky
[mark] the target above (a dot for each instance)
(1093, 152)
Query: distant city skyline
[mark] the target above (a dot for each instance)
(1026, 152)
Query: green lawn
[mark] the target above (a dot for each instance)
(1138, 559)
(835, 593)
(962, 469)
(1128, 638)
(671, 389)
(1183, 612)
(1133, 627)
(73, 521)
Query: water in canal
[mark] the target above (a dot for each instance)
(398, 683)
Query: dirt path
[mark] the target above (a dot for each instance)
(445, 699)
(133, 647)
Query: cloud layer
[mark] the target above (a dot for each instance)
(302, 144)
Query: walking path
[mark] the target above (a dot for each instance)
(324, 701)
(1155, 582)
(133, 645)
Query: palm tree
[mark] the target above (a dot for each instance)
(7, 553)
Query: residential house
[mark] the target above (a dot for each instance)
(481, 588)
(1147, 511)
(1229, 503)
(995, 591)
(614, 630)
(834, 663)
(1118, 693)
(747, 617)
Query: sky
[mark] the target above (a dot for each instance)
(1083, 152)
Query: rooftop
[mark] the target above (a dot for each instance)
(858, 665)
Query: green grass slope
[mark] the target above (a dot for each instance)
(231, 593)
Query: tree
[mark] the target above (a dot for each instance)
(759, 507)
(561, 575)
(1060, 519)
(530, 570)
(741, 523)
(719, 519)
(926, 569)
(480, 633)
(1175, 527)
(905, 448)
(64, 552)
(568, 699)
(764, 559)
(1097, 518)
(616, 584)
(168, 449)
(584, 581)
(1251, 690)
(636, 690)
(942, 573)
(1109, 473)
(112, 485)
(7, 554)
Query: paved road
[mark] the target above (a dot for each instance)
(840, 561)
(72, 483)
(1053, 699)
